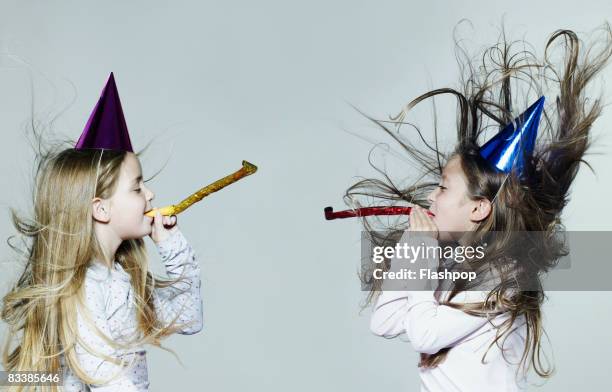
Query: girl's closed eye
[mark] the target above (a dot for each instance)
(137, 190)
(442, 187)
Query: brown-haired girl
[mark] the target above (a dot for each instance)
(484, 334)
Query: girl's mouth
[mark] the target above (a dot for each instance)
(149, 218)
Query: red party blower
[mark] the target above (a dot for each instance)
(368, 211)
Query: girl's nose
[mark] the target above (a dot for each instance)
(149, 194)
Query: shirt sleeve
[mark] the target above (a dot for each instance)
(428, 325)
(180, 302)
(92, 348)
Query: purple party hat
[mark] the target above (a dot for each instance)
(511, 146)
(106, 127)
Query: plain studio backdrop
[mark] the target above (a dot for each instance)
(212, 83)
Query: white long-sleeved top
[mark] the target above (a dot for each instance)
(431, 326)
(110, 305)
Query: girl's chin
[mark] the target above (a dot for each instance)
(146, 230)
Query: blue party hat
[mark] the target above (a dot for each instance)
(508, 149)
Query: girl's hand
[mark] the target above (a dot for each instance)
(421, 222)
(163, 227)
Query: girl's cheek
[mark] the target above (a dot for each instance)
(441, 201)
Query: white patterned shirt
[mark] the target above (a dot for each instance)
(430, 327)
(109, 298)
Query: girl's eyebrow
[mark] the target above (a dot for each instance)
(137, 179)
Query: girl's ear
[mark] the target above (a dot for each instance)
(100, 210)
(480, 210)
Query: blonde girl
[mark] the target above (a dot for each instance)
(86, 302)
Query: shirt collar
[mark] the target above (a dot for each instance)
(100, 271)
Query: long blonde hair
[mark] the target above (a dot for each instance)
(41, 308)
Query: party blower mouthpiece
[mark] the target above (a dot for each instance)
(368, 211)
(246, 170)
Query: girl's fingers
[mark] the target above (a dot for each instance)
(421, 215)
(158, 220)
(163, 226)
(413, 220)
(170, 220)
(416, 220)
(420, 221)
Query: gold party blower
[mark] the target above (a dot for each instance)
(246, 170)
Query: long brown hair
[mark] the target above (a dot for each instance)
(532, 203)
(41, 308)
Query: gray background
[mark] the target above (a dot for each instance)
(269, 82)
